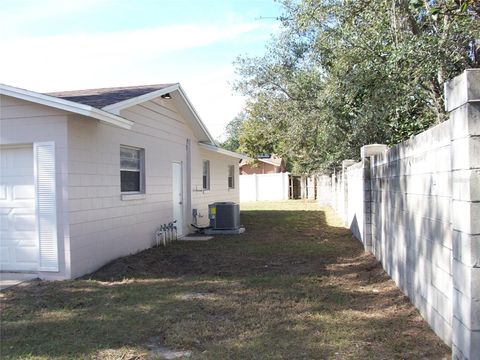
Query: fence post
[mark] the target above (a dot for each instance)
(462, 100)
(333, 200)
(285, 185)
(366, 152)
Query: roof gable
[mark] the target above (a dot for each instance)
(113, 100)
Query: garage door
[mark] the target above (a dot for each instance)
(18, 236)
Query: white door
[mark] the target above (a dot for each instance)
(18, 235)
(177, 191)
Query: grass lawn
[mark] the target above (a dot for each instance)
(295, 285)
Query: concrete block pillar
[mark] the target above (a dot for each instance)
(334, 191)
(345, 165)
(462, 100)
(366, 152)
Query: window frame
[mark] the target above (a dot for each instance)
(231, 176)
(141, 170)
(206, 186)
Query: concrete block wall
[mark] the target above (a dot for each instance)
(324, 190)
(462, 99)
(354, 199)
(410, 222)
(419, 205)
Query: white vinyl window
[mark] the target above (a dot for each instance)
(231, 176)
(132, 170)
(206, 175)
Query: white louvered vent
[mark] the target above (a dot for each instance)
(44, 155)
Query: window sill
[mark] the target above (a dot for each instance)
(126, 197)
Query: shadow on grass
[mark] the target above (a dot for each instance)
(276, 242)
(292, 286)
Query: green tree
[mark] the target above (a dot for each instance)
(347, 73)
(233, 131)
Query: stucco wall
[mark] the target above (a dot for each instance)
(103, 226)
(23, 122)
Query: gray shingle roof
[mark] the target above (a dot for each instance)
(100, 98)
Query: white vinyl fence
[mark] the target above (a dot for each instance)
(264, 187)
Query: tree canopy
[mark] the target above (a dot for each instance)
(342, 74)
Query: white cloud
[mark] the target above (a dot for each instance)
(66, 62)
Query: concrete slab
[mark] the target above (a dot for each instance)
(195, 238)
(240, 230)
(8, 280)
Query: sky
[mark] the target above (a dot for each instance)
(54, 45)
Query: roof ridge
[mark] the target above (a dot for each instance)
(102, 97)
(111, 88)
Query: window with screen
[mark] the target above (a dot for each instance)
(131, 170)
(206, 175)
(231, 176)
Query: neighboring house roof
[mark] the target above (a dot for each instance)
(272, 160)
(102, 97)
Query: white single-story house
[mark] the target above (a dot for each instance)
(88, 176)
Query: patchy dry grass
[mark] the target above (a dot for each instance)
(296, 285)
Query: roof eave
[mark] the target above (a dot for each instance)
(65, 105)
(222, 151)
(195, 114)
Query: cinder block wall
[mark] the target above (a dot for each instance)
(410, 222)
(353, 199)
(416, 206)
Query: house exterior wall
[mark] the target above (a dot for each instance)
(23, 122)
(105, 225)
(219, 190)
